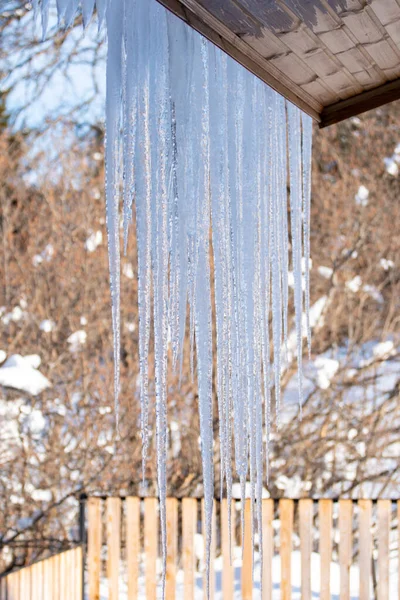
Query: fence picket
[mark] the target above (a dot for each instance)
(345, 546)
(63, 578)
(14, 587)
(228, 573)
(247, 566)
(212, 551)
(189, 522)
(94, 547)
(365, 544)
(79, 573)
(384, 518)
(133, 545)
(151, 546)
(268, 547)
(172, 548)
(25, 584)
(306, 523)
(57, 576)
(398, 545)
(47, 580)
(39, 583)
(286, 517)
(113, 546)
(325, 546)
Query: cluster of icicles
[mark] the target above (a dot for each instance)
(203, 149)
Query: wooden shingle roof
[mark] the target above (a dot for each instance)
(333, 58)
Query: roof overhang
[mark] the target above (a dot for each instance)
(333, 58)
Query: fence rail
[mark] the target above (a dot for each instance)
(56, 578)
(124, 549)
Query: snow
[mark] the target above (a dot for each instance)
(3, 356)
(384, 350)
(361, 198)
(386, 264)
(326, 272)
(42, 495)
(318, 373)
(44, 256)
(354, 285)
(76, 340)
(10, 439)
(47, 326)
(316, 320)
(20, 373)
(237, 491)
(33, 360)
(326, 369)
(175, 438)
(94, 240)
(372, 291)
(392, 163)
(15, 315)
(391, 167)
(127, 270)
(315, 570)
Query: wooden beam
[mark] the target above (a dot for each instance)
(205, 23)
(361, 103)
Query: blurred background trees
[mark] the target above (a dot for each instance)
(58, 439)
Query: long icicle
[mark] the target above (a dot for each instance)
(143, 219)
(193, 140)
(161, 132)
(296, 198)
(113, 119)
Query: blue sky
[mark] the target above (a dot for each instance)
(70, 83)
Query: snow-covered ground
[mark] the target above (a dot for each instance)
(276, 567)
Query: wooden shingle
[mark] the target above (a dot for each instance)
(333, 58)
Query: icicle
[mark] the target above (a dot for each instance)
(102, 6)
(160, 130)
(129, 115)
(178, 35)
(296, 219)
(143, 217)
(113, 118)
(202, 303)
(306, 170)
(276, 260)
(193, 138)
(45, 17)
(87, 11)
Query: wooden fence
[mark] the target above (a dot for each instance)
(56, 578)
(127, 533)
(122, 554)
